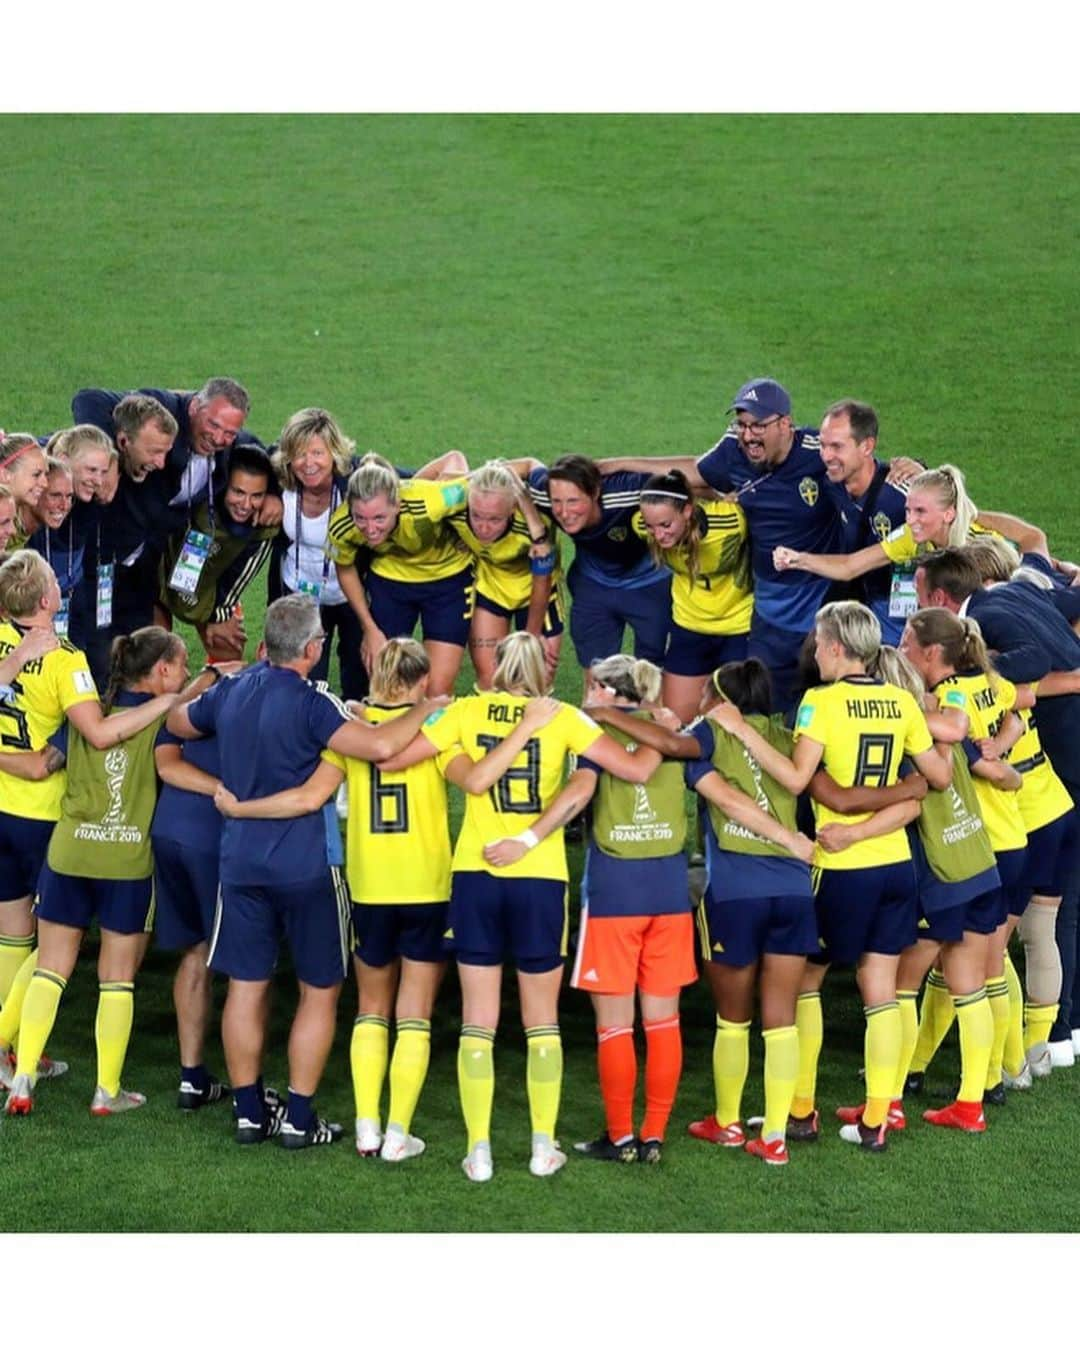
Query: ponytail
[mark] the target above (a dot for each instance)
(398, 668)
(133, 657)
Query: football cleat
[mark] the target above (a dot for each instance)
(995, 1096)
(477, 1164)
(369, 1138)
(960, 1116)
(397, 1146)
(603, 1147)
(20, 1101)
(7, 1069)
(1022, 1081)
(190, 1099)
(772, 1151)
(48, 1069)
(1061, 1054)
(1038, 1059)
(894, 1118)
(650, 1151)
(546, 1159)
(104, 1104)
(249, 1132)
(320, 1132)
(730, 1137)
(804, 1128)
(914, 1082)
(866, 1137)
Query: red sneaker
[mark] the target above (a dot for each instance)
(731, 1137)
(894, 1118)
(961, 1116)
(772, 1151)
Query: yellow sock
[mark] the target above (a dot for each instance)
(809, 1023)
(909, 1032)
(476, 1080)
(1038, 1021)
(1013, 1059)
(40, 1004)
(976, 1024)
(13, 1001)
(543, 1078)
(882, 1053)
(781, 1072)
(935, 1020)
(112, 1031)
(408, 1069)
(369, 1050)
(997, 996)
(730, 1063)
(14, 951)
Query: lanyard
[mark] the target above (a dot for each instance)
(299, 529)
(189, 477)
(70, 552)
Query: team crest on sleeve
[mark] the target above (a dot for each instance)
(808, 490)
(83, 681)
(882, 525)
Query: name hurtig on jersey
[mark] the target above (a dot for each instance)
(876, 708)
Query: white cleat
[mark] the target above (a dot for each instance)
(7, 1069)
(1076, 1041)
(369, 1138)
(104, 1104)
(1061, 1054)
(1038, 1058)
(48, 1069)
(477, 1164)
(546, 1159)
(20, 1101)
(397, 1146)
(1021, 1081)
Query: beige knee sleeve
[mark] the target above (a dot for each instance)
(1042, 960)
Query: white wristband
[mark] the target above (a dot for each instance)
(528, 838)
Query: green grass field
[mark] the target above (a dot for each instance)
(535, 285)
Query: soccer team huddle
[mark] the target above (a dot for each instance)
(870, 687)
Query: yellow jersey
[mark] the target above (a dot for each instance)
(986, 702)
(902, 549)
(420, 548)
(474, 725)
(43, 693)
(502, 567)
(865, 726)
(1043, 797)
(397, 836)
(719, 599)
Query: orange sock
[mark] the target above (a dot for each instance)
(663, 1066)
(617, 1067)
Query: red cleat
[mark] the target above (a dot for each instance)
(772, 1151)
(960, 1116)
(731, 1137)
(894, 1118)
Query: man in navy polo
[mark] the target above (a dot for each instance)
(277, 875)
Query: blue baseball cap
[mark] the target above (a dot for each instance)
(764, 398)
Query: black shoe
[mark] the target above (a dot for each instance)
(803, 1128)
(866, 1137)
(996, 1095)
(650, 1151)
(603, 1147)
(190, 1099)
(254, 1133)
(320, 1132)
(914, 1082)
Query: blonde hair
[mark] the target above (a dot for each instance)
(53, 465)
(960, 638)
(519, 665)
(374, 477)
(24, 581)
(397, 669)
(633, 679)
(853, 626)
(15, 446)
(947, 483)
(72, 443)
(495, 477)
(995, 559)
(892, 667)
(302, 426)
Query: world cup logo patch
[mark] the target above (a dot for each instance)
(808, 490)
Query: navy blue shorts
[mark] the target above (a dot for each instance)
(124, 906)
(778, 649)
(553, 617)
(23, 843)
(384, 932)
(1012, 866)
(442, 607)
(873, 910)
(692, 654)
(599, 616)
(982, 915)
(313, 918)
(740, 931)
(494, 920)
(1048, 856)
(187, 889)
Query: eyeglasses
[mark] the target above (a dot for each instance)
(752, 427)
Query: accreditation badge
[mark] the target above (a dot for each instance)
(62, 620)
(189, 564)
(902, 599)
(106, 574)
